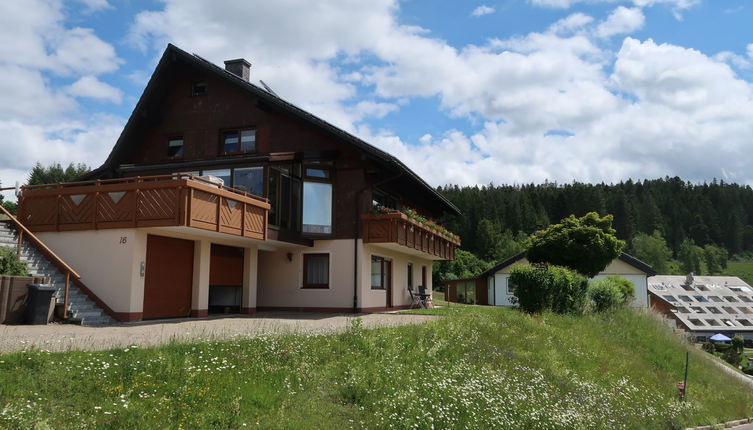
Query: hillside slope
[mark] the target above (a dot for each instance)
(479, 367)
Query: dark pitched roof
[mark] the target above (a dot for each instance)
(173, 51)
(627, 258)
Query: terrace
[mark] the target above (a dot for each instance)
(150, 201)
(401, 232)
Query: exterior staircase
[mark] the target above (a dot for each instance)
(81, 309)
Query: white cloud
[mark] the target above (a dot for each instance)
(91, 87)
(482, 10)
(95, 5)
(571, 24)
(621, 21)
(39, 119)
(750, 50)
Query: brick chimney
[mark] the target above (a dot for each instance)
(239, 67)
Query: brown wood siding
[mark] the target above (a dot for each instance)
(201, 119)
(168, 278)
(226, 265)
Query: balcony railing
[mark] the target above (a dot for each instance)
(150, 201)
(398, 228)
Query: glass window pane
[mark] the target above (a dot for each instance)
(175, 148)
(295, 208)
(249, 179)
(223, 174)
(230, 142)
(273, 196)
(317, 207)
(376, 272)
(316, 270)
(284, 201)
(248, 140)
(317, 173)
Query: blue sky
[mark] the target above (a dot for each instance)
(464, 92)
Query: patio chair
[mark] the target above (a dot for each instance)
(415, 300)
(424, 298)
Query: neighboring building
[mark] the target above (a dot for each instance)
(704, 305)
(493, 286)
(295, 226)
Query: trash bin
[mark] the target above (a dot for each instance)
(38, 301)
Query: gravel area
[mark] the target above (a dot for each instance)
(65, 337)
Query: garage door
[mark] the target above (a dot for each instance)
(168, 278)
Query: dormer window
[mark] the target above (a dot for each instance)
(236, 141)
(175, 147)
(199, 89)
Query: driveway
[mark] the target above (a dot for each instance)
(64, 337)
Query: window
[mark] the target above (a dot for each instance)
(670, 298)
(745, 323)
(317, 207)
(284, 194)
(745, 311)
(249, 179)
(695, 321)
(714, 310)
(685, 298)
(380, 273)
(683, 310)
(235, 141)
(730, 299)
(199, 89)
(697, 309)
(729, 309)
(315, 270)
(223, 174)
(175, 147)
(510, 287)
(746, 299)
(712, 322)
(715, 299)
(701, 298)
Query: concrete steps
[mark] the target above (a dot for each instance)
(81, 308)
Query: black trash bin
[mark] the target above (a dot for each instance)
(38, 301)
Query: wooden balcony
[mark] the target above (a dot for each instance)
(397, 229)
(154, 201)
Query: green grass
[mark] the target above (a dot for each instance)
(478, 367)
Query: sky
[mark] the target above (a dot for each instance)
(464, 92)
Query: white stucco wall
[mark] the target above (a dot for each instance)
(501, 297)
(400, 296)
(109, 262)
(281, 281)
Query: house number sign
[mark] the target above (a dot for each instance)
(123, 240)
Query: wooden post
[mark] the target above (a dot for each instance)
(65, 297)
(20, 242)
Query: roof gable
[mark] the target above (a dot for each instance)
(627, 258)
(173, 53)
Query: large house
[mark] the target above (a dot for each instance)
(493, 286)
(219, 196)
(704, 305)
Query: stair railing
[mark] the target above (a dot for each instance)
(25, 233)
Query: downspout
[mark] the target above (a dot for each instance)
(358, 231)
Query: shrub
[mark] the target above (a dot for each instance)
(748, 370)
(738, 343)
(732, 357)
(708, 347)
(10, 265)
(626, 287)
(605, 294)
(555, 288)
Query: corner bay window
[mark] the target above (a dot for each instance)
(234, 141)
(317, 198)
(315, 270)
(249, 179)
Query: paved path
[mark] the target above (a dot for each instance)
(64, 337)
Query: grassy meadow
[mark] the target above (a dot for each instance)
(476, 368)
(741, 269)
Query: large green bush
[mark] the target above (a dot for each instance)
(604, 294)
(554, 288)
(10, 265)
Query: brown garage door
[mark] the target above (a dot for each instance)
(168, 278)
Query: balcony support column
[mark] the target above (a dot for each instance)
(250, 279)
(200, 291)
